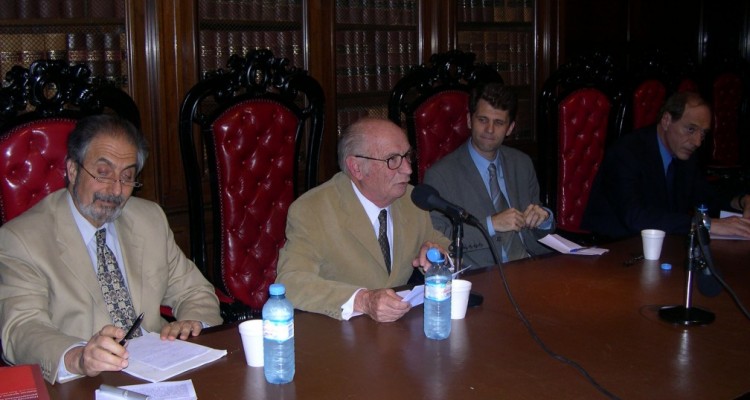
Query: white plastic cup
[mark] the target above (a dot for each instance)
(652, 242)
(252, 341)
(459, 298)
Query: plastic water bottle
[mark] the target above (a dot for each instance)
(437, 297)
(278, 336)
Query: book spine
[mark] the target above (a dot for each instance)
(298, 58)
(10, 52)
(55, 45)
(220, 46)
(120, 8)
(49, 9)
(73, 9)
(8, 10)
(26, 9)
(102, 9)
(207, 51)
(528, 10)
(112, 57)
(95, 53)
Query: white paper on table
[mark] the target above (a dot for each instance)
(565, 246)
(415, 296)
(727, 214)
(155, 360)
(174, 390)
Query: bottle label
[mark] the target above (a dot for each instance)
(278, 330)
(438, 291)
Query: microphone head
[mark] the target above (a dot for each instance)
(708, 285)
(423, 196)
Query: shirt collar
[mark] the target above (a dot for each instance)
(370, 208)
(666, 156)
(88, 231)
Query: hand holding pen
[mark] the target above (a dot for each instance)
(133, 329)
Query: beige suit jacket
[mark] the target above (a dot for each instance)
(50, 298)
(332, 250)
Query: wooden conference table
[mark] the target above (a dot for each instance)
(594, 310)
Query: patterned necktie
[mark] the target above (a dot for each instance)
(514, 248)
(115, 292)
(498, 199)
(383, 238)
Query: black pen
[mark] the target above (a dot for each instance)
(133, 330)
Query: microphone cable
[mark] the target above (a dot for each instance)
(704, 241)
(531, 330)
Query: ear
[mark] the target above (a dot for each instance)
(511, 129)
(71, 167)
(468, 120)
(665, 121)
(354, 167)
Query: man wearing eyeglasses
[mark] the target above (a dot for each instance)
(77, 268)
(493, 182)
(651, 179)
(352, 238)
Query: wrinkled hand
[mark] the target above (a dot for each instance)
(509, 220)
(382, 305)
(739, 226)
(101, 353)
(421, 259)
(181, 329)
(534, 215)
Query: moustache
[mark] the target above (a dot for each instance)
(117, 200)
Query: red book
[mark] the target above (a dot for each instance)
(22, 382)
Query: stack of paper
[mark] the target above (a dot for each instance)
(155, 360)
(565, 246)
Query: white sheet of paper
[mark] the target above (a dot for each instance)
(415, 296)
(156, 360)
(565, 246)
(173, 390)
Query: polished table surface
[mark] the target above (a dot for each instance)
(596, 311)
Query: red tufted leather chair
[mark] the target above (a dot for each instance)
(580, 111)
(432, 103)
(259, 131)
(648, 98)
(39, 107)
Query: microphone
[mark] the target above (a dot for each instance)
(427, 198)
(708, 285)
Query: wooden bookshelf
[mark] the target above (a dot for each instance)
(501, 33)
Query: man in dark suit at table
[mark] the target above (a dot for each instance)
(651, 179)
(355, 236)
(76, 268)
(495, 183)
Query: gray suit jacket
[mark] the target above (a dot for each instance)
(331, 249)
(457, 180)
(50, 298)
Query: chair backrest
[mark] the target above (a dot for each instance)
(257, 121)
(39, 107)
(727, 87)
(580, 111)
(432, 102)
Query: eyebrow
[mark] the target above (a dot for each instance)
(112, 165)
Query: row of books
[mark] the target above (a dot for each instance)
(105, 53)
(511, 52)
(368, 61)
(495, 11)
(348, 115)
(251, 10)
(217, 45)
(377, 12)
(29, 9)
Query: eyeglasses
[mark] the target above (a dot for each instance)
(394, 161)
(111, 181)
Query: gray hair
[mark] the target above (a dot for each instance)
(93, 126)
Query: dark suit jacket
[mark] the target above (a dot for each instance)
(630, 193)
(457, 180)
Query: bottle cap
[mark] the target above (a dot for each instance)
(666, 266)
(435, 256)
(277, 289)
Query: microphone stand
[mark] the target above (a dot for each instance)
(457, 245)
(687, 314)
